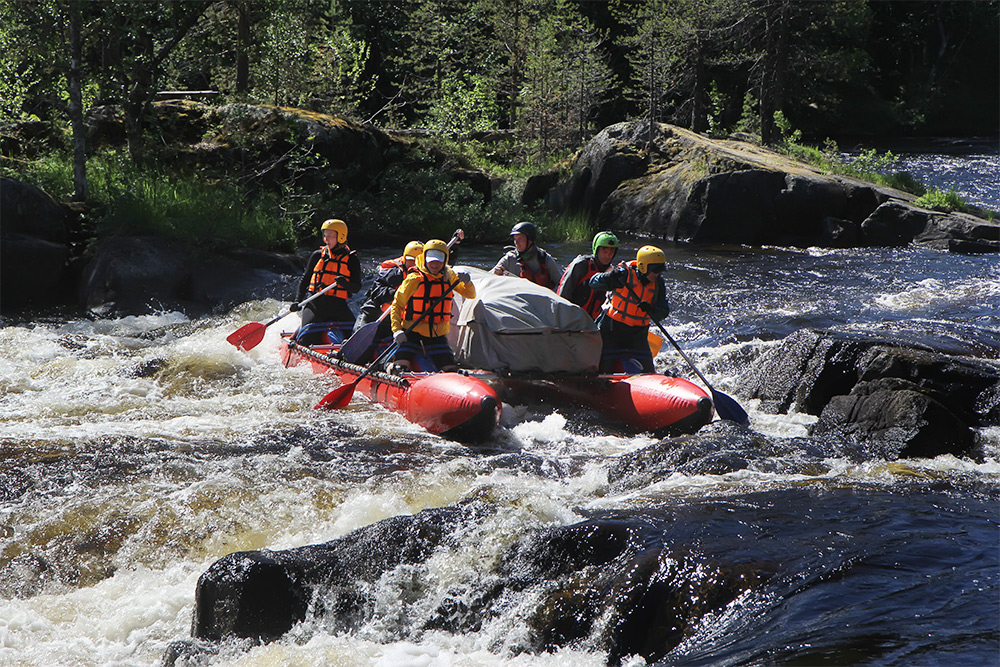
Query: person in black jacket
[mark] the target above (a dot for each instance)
(390, 276)
(575, 283)
(333, 262)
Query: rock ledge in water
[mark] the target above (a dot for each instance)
(899, 400)
(613, 584)
(691, 188)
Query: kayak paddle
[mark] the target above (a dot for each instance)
(362, 339)
(249, 336)
(725, 405)
(341, 396)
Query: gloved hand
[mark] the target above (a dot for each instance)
(619, 275)
(294, 308)
(464, 277)
(399, 337)
(645, 306)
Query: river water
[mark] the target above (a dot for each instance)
(135, 452)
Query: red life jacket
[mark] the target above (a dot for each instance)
(427, 297)
(328, 268)
(624, 306)
(591, 300)
(540, 277)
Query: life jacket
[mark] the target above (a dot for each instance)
(427, 297)
(624, 307)
(540, 277)
(588, 299)
(395, 263)
(328, 268)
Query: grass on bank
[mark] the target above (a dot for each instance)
(199, 206)
(127, 200)
(407, 202)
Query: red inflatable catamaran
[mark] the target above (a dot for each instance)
(466, 406)
(453, 405)
(518, 343)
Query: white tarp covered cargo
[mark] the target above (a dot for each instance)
(515, 325)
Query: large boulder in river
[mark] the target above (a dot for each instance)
(684, 187)
(34, 246)
(898, 399)
(137, 275)
(612, 583)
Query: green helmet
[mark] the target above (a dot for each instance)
(605, 240)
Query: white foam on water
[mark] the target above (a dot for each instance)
(128, 619)
(934, 293)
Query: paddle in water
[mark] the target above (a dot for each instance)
(725, 405)
(249, 336)
(341, 396)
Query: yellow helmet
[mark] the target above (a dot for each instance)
(649, 255)
(413, 249)
(337, 225)
(439, 249)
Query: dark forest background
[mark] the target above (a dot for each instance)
(526, 82)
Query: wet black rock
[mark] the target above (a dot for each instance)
(34, 246)
(724, 447)
(895, 398)
(139, 275)
(612, 583)
(262, 594)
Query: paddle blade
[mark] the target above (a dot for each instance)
(359, 342)
(338, 398)
(247, 336)
(655, 343)
(727, 408)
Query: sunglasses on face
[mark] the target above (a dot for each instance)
(656, 268)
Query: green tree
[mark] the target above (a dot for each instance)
(567, 77)
(136, 38)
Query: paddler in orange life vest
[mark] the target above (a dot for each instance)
(527, 260)
(427, 292)
(635, 293)
(575, 283)
(333, 262)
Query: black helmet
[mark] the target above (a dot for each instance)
(526, 228)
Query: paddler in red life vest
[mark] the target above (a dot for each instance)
(575, 283)
(635, 293)
(333, 262)
(527, 260)
(426, 295)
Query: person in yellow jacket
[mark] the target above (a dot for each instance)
(635, 294)
(421, 309)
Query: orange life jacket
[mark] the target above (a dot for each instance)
(396, 262)
(328, 268)
(541, 277)
(427, 297)
(624, 307)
